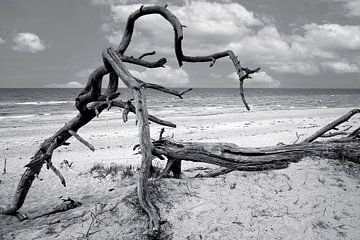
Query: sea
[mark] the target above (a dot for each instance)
(17, 104)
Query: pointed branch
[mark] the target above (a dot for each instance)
(138, 61)
(83, 141)
(248, 72)
(147, 54)
(164, 89)
(333, 134)
(178, 30)
(57, 172)
(122, 104)
(214, 173)
(331, 125)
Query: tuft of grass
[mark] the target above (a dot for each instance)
(126, 171)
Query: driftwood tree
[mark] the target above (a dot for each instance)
(92, 101)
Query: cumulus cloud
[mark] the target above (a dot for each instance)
(259, 80)
(28, 42)
(209, 23)
(218, 26)
(299, 53)
(72, 84)
(352, 7)
(167, 76)
(341, 67)
(331, 36)
(2, 41)
(296, 67)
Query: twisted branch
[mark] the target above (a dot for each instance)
(91, 102)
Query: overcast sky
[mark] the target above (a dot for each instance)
(297, 43)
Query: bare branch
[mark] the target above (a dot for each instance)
(147, 54)
(111, 60)
(214, 173)
(178, 30)
(163, 89)
(57, 172)
(122, 104)
(137, 61)
(83, 141)
(333, 134)
(331, 125)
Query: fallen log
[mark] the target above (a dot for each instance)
(230, 156)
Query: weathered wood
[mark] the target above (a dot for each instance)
(172, 165)
(231, 156)
(91, 102)
(82, 140)
(33, 168)
(111, 60)
(243, 73)
(214, 173)
(66, 205)
(331, 125)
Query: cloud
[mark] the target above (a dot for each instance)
(208, 24)
(73, 84)
(303, 68)
(259, 80)
(166, 76)
(352, 7)
(2, 41)
(331, 36)
(299, 53)
(28, 42)
(341, 67)
(217, 26)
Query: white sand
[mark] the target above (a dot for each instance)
(312, 199)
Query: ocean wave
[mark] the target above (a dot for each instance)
(44, 103)
(17, 116)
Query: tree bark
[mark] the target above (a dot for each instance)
(231, 156)
(91, 102)
(112, 61)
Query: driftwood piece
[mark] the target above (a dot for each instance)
(172, 165)
(33, 168)
(111, 60)
(91, 101)
(331, 125)
(83, 141)
(232, 157)
(66, 205)
(214, 173)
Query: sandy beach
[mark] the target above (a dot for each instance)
(313, 199)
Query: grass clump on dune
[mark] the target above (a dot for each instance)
(101, 171)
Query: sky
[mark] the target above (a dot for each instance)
(297, 43)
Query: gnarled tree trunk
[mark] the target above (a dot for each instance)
(91, 102)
